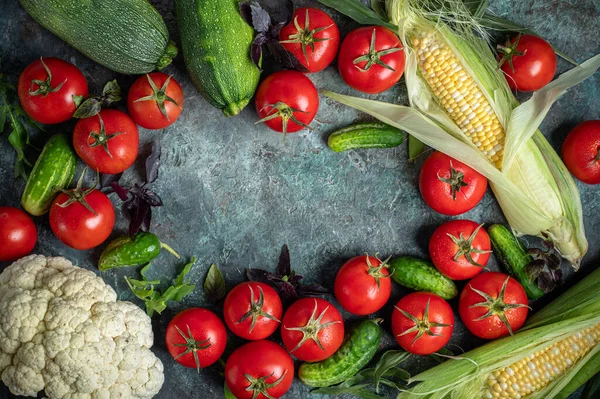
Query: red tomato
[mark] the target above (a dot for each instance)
(196, 338)
(581, 152)
(493, 305)
(529, 62)
(252, 310)
(460, 249)
(363, 285)
(312, 329)
(82, 219)
(312, 37)
(107, 142)
(18, 234)
(371, 59)
(46, 89)
(450, 187)
(259, 370)
(422, 323)
(155, 101)
(287, 101)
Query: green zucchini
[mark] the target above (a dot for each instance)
(365, 135)
(514, 257)
(216, 42)
(53, 170)
(127, 36)
(358, 349)
(420, 275)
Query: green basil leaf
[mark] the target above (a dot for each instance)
(358, 12)
(214, 284)
(111, 93)
(388, 360)
(88, 108)
(415, 148)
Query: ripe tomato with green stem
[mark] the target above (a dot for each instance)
(371, 59)
(155, 101)
(422, 323)
(312, 37)
(196, 338)
(312, 329)
(581, 152)
(528, 61)
(18, 234)
(362, 285)
(493, 305)
(460, 249)
(450, 187)
(287, 101)
(107, 142)
(252, 310)
(46, 88)
(82, 218)
(259, 370)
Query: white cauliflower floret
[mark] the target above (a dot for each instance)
(62, 331)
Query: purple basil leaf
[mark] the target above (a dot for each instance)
(535, 252)
(106, 179)
(295, 279)
(261, 20)
(557, 276)
(284, 267)
(546, 282)
(246, 12)
(274, 278)
(150, 197)
(311, 290)
(147, 220)
(553, 261)
(288, 292)
(283, 57)
(256, 49)
(153, 163)
(258, 275)
(122, 192)
(138, 218)
(534, 268)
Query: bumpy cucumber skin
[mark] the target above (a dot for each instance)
(127, 36)
(216, 42)
(358, 349)
(365, 135)
(123, 251)
(510, 252)
(53, 170)
(420, 275)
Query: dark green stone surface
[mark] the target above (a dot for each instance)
(234, 192)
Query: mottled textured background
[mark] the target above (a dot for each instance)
(234, 192)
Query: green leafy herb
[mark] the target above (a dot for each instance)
(214, 284)
(111, 93)
(379, 7)
(388, 361)
(360, 391)
(415, 148)
(155, 300)
(358, 12)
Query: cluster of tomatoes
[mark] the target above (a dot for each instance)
(49, 90)
(371, 60)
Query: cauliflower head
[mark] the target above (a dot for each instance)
(63, 331)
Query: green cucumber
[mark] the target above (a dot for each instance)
(358, 349)
(514, 257)
(216, 42)
(127, 36)
(125, 251)
(420, 275)
(365, 135)
(53, 171)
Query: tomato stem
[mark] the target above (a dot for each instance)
(377, 271)
(466, 248)
(312, 328)
(44, 86)
(422, 326)
(256, 309)
(306, 36)
(285, 112)
(374, 56)
(192, 346)
(508, 51)
(260, 386)
(596, 158)
(78, 195)
(159, 95)
(101, 138)
(456, 180)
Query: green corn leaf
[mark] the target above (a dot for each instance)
(358, 12)
(415, 148)
(388, 360)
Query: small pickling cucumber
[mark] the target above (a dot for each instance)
(514, 257)
(358, 349)
(365, 135)
(420, 275)
(53, 170)
(126, 251)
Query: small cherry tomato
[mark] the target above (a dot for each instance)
(46, 89)
(155, 101)
(581, 152)
(371, 59)
(287, 101)
(422, 323)
(252, 310)
(107, 142)
(82, 219)
(450, 187)
(312, 37)
(312, 329)
(18, 234)
(259, 370)
(460, 249)
(196, 338)
(362, 285)
(528, 61)
(493, 305)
